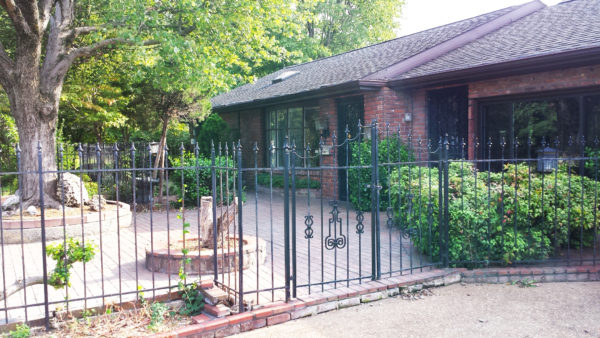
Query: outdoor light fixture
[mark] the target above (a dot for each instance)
(407, 117)
(547, 160)
(322, 126)
(153, 147)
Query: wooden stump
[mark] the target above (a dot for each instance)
(226, 217)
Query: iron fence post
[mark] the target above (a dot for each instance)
(441, 198)
(240, 226)
(293, 274)
(375, 230)
(446, 204)
(213, 173)
(43, 230)
(286, 216)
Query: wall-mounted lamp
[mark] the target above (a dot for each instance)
(547, 160)
(154, 147)
(322, 126)
(407, 117)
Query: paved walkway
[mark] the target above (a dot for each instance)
(118, 271)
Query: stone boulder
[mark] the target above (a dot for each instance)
(75, 192)
(11, 202)
(96, 202)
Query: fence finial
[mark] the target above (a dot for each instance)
(255, 147)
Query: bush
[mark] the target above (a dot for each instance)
(391, 150)
(301, 182)
(485, 221)
(196, 187)
(212, 129)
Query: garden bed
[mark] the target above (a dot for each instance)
(169, 260)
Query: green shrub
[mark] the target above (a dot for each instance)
(485, 221)
(391, 150)
(21, 331)
(212, 129)
(264, 179)
(197, 178)
(90, 186)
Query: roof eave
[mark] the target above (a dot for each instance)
(342, 88)
(577, 58)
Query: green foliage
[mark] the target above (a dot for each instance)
(21, 331)
(65, 257)
(212, 129)
(90, 186)
(94, 99)
(592, 165)
(390, 151)
(486, 222)
(264, 179)
(197, 179)
(158, 311)
(193, 299)
(8, 137)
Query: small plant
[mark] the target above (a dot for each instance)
(65, 257)
(158, 311)
(526, 283)
(21, 331)
(193, 300)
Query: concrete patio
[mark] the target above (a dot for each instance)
(116, 273)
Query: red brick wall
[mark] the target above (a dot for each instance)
(537, 82)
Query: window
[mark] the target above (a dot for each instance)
(297, 123)
(560, 117)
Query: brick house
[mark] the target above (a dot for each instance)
(519, 72)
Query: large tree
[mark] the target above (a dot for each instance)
(40, 40)
(195, 41)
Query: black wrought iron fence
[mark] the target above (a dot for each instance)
(361, 207)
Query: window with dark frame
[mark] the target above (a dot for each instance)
(559, 117)
(298, 124)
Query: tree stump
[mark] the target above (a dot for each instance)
(224, 220)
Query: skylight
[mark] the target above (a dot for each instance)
(285, 75)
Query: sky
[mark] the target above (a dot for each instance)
(418, 15)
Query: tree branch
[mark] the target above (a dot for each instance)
(45, 7)
(16, 16)
(19, 285)
(75, 32)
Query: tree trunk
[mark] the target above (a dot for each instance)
(36, 114)
(160, 157)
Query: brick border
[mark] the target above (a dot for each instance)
(544, 274)
(310, 305)
(280, 312)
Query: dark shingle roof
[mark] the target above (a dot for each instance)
(568, 26)
(350, 66)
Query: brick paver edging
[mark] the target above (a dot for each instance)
(340, 298)
(544, 274)
(315, 303)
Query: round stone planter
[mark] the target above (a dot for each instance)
(163, 261)
(72, 225)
